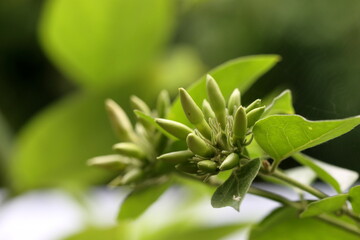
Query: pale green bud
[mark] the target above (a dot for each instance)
(163, 103)
(112, 162)
(129, 149)
(230, 162)
(198, 146)
(216, 100)
(192, 111)
(132, 176)
(176, 157)
(254, 115)
(208, 112)
(207, 166)
(138, 104)
(177, 129)
(253, 105)
(187, 167)
(240, 125)
(120, 122)
(234, 101)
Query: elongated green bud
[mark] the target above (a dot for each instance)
(207, 110)
(138, 104)
(187, 167)
(192, 111)
(254, 115)
(177, 129)
(112, 162)
(198, 146)
(120, 122)
(234, 101)
(240, 125)
(129, 149)
(163, 103)
(253, 105)
(230, 162)
(194, 114)
(176, 157)
(216, 100)
(207, 166)
(132, 176)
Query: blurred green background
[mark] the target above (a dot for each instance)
(60, 59)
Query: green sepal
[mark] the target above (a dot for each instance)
(191, 110)
(129, 149)
(207, 166)
(231, 161)
(177, 129)
(253, 105)
(138, 104)
(216, 100)
(254, 115)
(111, 162)
(198, 146)
(176, 157)
(163, 103)
(240, 125)
(234, 101)
(132, 176)
(207, 110)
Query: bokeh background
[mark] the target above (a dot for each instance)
(60, 59)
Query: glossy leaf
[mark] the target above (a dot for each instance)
(284, 223)
(283, 135)
(354, 197)
(140, 200)
(282, 104)
(238, 73)
(96, 43)
(339, 178)
(233, 190)
(326, 205)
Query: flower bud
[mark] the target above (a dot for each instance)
(176, 157)
(163, 103)
(207, 110)
(120, 121)
(253, 105)
(240, 125)
(207, 166)
(132, 176)
(194, 114)
(230, 162)
(187, 167)
(177, 129)
(254, 115)
(198, 146)
(129, 149)
(234, 101)
(216, 100)
(112, 162)
(138, 104)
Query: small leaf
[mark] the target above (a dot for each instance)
(281, 104)
(354, 197)
(284, 223)
(326, 205)
(238, 73)
(140, 200)
(281, 136)
(339, 178)
(233, 190)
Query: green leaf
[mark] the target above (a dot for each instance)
(339, 178)
(284, 223)
(281, 104)
(238, 73)
(326, 205)
(281, 136)
(233, 190)
(96, 43)
(140, 200)
(354, 197)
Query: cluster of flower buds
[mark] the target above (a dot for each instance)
(221, 131)
(136, 153)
